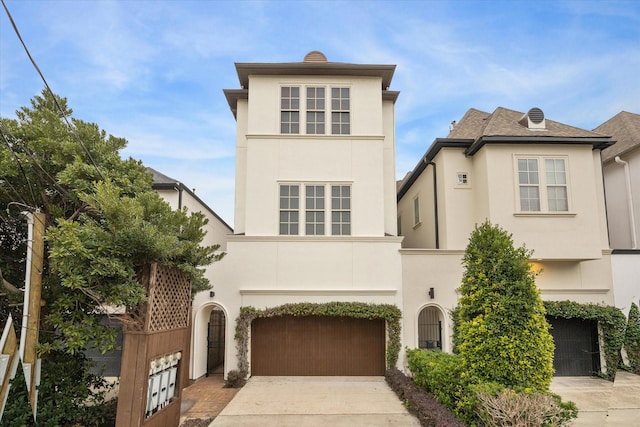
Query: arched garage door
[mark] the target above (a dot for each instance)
(317, 345)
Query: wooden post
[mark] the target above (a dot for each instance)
(8, 351)
(35, 297)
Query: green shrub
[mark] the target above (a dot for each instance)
(441, 374)
(235, 379)
(632, 339)
(502, 335)
(68, 395)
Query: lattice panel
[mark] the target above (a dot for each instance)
(169, 299)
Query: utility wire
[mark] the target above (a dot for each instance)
(4, 138)
(64, 116)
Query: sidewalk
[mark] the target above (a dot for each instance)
(204, 400)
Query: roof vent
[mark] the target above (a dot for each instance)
(315, 56)
(534, 119)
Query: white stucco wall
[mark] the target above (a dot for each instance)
(626, 278)
(619, 217)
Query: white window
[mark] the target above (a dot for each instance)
(290, 109)
(340, 114)
(315, 209)
(289, 209)
(313, 110)
(542, 184)
(463, 178)
(340, 210)
(416, 211)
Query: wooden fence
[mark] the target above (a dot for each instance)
(155, 351)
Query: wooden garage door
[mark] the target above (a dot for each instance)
(316, 345)
(576, 341)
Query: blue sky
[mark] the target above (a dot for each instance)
(153, 71)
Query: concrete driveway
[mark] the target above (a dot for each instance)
(602, 403)
(315, 401)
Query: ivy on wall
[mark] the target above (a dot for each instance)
(390, 313)
(612, 324)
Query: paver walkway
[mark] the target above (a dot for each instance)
(205, 398)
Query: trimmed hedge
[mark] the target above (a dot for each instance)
(632, 339)
(390, 313)
(444, 376)
(421, 404)
(502, 334)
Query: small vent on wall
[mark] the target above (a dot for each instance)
(533, 119)
(315, 56)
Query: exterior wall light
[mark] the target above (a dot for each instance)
(432, 293)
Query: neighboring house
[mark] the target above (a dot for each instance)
(178, 196)
(540, 180)
(315, 215)
(621, 168)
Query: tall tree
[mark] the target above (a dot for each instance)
(502, 332)
(103, 223)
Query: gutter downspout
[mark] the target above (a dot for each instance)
(632, 220)
(435, 205)
(179, 188)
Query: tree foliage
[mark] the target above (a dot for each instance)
(502, 334)
(103, 223)
(632, 338)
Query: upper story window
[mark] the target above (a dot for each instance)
(289, 209)
(542, 184)
(290, 109)
(340, 114)
(313, 110)
(416, 211)
(314, 206)
(341, 210)
(315, 209)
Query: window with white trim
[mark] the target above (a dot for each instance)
(314, 210)
(315, 110)
(289, 209)
(340, 113)
(340, 210)
(290, 109)
(322, 203)
(416, 211)
(542, 183)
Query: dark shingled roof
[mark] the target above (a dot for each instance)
(504, 122)
(624, 127)
(477, 128)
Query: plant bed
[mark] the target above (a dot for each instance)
(421, 404)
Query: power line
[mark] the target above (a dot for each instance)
(55, 100)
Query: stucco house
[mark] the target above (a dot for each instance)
(319, 218)
(621, 166)
(539, 179)
(315, 215)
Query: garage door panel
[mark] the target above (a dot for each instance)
(576, 347)
(316, 345)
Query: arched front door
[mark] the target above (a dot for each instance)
(215, 342)
(430, 322)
